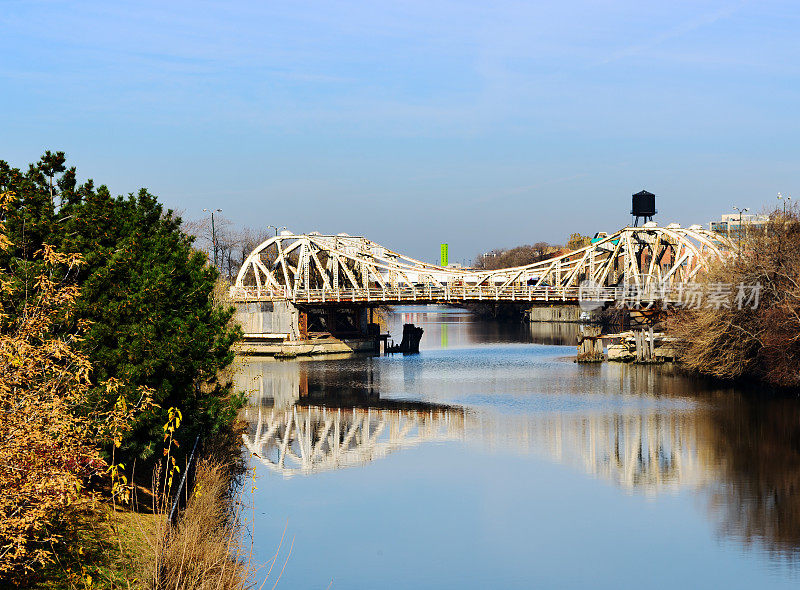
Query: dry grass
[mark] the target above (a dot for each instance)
(99, 547)
(204, 550)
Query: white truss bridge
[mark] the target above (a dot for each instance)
(330, 270)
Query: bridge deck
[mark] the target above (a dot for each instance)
(446, 294)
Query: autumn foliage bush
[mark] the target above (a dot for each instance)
(49, 433)
(758, 340)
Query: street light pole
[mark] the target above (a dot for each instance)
(275, 228)
(740, 225)
(784, 199)
(214, 234)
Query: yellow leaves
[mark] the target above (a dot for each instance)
(173, 422)
(174, 418)
(112, 385)
(55, 258)
(47, 447)
(120, 490)
(6, 198)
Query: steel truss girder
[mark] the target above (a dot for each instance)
(324, 268)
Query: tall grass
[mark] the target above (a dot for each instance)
(208, 547)
(203, 550)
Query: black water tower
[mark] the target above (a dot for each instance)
(643, 206)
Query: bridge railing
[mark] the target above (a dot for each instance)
(455, 293)
(412, 293)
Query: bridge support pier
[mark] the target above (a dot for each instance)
(555, 313)
(274, 320)
(283, 329)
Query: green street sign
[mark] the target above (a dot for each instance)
(443, 257)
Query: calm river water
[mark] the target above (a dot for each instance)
(491, 460)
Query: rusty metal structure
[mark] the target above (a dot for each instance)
(342, 269)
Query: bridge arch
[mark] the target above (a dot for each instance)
(315, 268)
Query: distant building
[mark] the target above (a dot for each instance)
(728, 225)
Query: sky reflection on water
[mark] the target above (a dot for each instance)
(490, 460)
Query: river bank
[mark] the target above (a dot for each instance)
(189, 538)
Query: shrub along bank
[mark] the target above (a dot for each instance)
(759, 339)
(107, 322)
(145, 299)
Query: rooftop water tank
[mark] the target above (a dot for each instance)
(643, 204)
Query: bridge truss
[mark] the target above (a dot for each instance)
(326, 269)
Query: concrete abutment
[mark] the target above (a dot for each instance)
(283, 329)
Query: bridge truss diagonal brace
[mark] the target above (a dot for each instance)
(367, 267)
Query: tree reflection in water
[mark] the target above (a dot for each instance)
(756, 497)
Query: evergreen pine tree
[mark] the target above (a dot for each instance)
(146, 293)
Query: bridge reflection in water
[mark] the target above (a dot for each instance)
(741, 454)
(299, 426)
(646, 451)
(311, 439)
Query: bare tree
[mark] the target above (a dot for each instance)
(519, 256)
(232, 244)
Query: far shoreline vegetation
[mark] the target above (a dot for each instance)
(760, 345)
(527, 253)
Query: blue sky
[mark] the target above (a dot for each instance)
(483, 124)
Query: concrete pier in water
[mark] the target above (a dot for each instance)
(283, 329)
